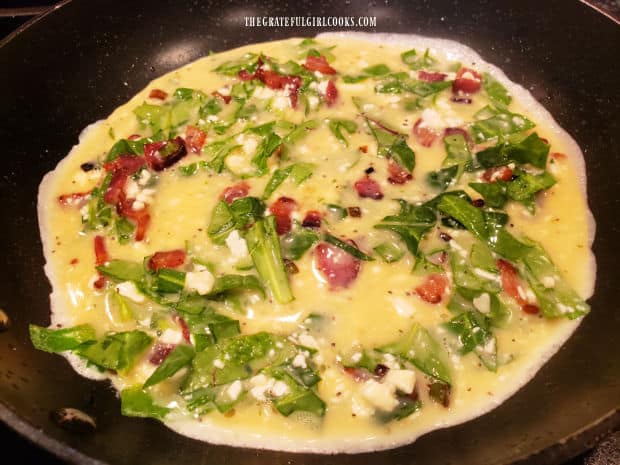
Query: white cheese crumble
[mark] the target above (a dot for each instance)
(237, 246)
(234, 390)
(128, 289)
(483, 303)
(217, 363)
(322, 87)
(200, 280)
(300, 361)
(308, 341)
(432, 119)
(548, 282)
(380, 395)
(402, 380)
(403, 306)
(171, 336)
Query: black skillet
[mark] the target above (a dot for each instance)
(78, 63)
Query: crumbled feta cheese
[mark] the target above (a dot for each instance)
(313, 101)
(217, 363)
(260, 385)
(249, 145)
(548, 282)
(380, 395)
(138, 205)
(278, 389)
(281, 102)
(225, 91)
(128, 289)
(483, 303)
(486, 274)
(171, 336)
(356, 357)
(308, 341)
(390, 361)
(402, 380)
(360, 408)
(132, 189)
(201, 281)
(432, 119)
(318, 74)
(300, 361)
(234, 390)
(489, 347)
(323, 87)
(145, 177)
(237, 245)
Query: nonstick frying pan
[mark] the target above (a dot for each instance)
(76, 64)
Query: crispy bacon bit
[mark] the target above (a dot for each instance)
(161, 155)
(425, 136)
(134, 137)
(101, 257)
(558, 156)
(510, 281)
(467, 80)
(194, 139)
(331, 93)
(478, 203)
(368, 188)
(290, 267)
(101, 252)
(244, 75)
(274, 80)
(167, 259)
(320, 64)
(312, 219)
(381, 370)
(363, 148)
(282, 209)
(358, 374)
(354, 212)
(160, 352)
(158, 94)
(184, 328)
(445, 236)
(339, 268)
(127, 163)
(141, 217)
(531, 309)
(455, 131)
(431, 77)
(225, 98)
(501, 173)
(237, 191)
(433, 288)
(398, 175)
(76, 199)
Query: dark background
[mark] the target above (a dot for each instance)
(15, 13)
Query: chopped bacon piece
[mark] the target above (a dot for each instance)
(160, 352)
(455, 131)
(339, 267)
(194, 139)
(320, 64)
(431, 77)
(101, 257)
(501, 173)
(141, 217)
(127, 163)
(225, 98)
(331, 93)
(282, 209)
(184, 328)
(424, 135)
(76, 199)
(134, 137)
(244, 75)
(531, 309)
(358, 374)
(467, 80)
(167, 259)
(312, 219)
(368, 188)
(101, 252)
(398, 175)
(158, 94)
(433, 288)
(510, 281)
(237, 191)
(162, 154)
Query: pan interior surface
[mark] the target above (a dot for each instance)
(58, 86)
